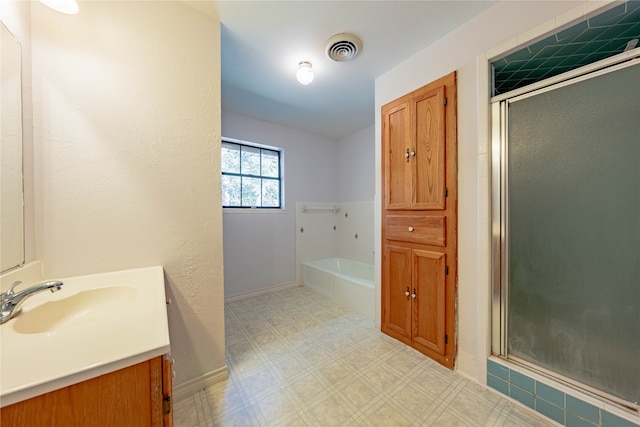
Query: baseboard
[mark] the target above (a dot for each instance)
(188, 389)
(262, 291)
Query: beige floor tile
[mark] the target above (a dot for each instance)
(260, 381)
(297, 359)
(520, 417)
(380, 377)
(290, 365)
(470, 409)
(316, 355)
(359, 394)
(185, 414)
(331, 412)
(275, 408)
(413, 399)
(307, 388)
(238, 347)
(358, 359)
(388, 414)
(448, 419)
(225, 397)
(243, 417)
(335, 372)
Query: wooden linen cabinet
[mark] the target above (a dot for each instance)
(419, 219)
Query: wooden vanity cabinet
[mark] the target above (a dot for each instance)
(139, 395)
(419, 219)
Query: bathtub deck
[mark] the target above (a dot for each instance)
(354, 291)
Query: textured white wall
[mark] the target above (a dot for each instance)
(126, 99)
(465, 50)
(356, 165)
(259, 247)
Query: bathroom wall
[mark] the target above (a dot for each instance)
(126, 159)
(355, 166)
(260, 246)
(499, 28)
(322, 233)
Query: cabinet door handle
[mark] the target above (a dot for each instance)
(413, 154)
(407, 291)
(410, 228)
(406, 155)
(413, 295)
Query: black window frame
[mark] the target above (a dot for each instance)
(262, 178)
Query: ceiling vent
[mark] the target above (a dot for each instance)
(343, 47)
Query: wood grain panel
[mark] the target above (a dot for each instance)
(429, 166)
(426, 230)
(397, 165)
(397, 310)
(122, 398)
(429, 313)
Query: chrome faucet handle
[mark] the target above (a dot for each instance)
(10, 292)
(13, 286)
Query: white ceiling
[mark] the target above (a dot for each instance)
(263, 42)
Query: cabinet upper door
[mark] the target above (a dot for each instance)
(397, 136)
(414, 139)
(429, 163)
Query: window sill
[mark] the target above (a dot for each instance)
(253, 211)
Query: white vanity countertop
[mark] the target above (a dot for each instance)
(96, 324)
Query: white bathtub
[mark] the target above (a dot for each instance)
(350, 283)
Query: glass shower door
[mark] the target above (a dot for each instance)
(572, 231)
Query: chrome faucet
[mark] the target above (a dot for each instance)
(11, 300)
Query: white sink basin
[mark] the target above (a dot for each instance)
(95, 324)
(81, 309)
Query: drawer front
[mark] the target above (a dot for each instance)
(427, 230)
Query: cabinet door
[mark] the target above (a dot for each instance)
(396, 144)
(428, 185)
(128, 397)
(396, 305)
(429, 303)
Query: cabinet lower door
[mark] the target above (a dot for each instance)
(429, 303)
(396, 316)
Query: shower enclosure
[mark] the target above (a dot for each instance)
(566, 229)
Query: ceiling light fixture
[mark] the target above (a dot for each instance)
(305, 73)
(70, 7)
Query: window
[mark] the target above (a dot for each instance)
(250, 176)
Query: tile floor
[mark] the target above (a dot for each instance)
(296, 358)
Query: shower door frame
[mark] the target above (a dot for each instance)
(500, 210)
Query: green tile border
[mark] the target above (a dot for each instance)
(554, 404)
(522, 396)
(550, 394)
(522, 381)
(550, 410)
(576, 421)
(583, 409)
(610, 420)
(498, 384)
